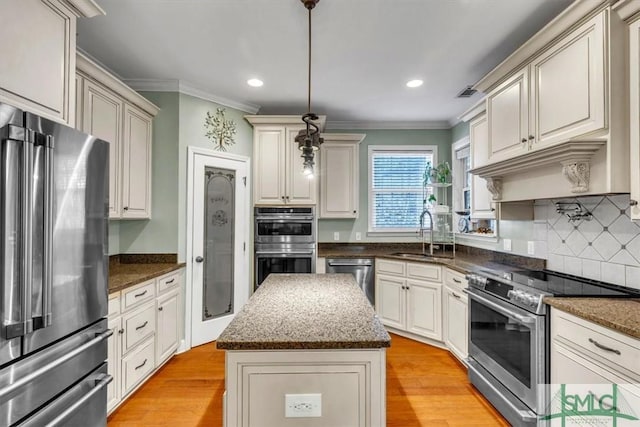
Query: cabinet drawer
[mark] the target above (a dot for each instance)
(114, 305)
(168, 282)
(455, 279)
(424, 271)
(137, 365)
(612, 347)
(138, 326)
(390, 267)
(139, 295)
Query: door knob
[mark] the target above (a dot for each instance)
(199, 259)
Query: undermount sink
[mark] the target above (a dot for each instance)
(421, 256)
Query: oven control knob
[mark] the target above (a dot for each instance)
(531, 300)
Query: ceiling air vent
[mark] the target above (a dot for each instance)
(467, 92)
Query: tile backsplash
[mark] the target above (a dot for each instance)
(605, 248)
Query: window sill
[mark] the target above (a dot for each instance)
(477, 237)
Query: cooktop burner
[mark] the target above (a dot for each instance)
(560, 284)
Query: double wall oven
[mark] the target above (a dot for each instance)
(509, 335)
(285, 241)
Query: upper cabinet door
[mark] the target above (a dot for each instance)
(481, 204)
(300, 189)
(38, 51)
(339, 180)
(508, 117)
(634, 135)
(269, 165)
(568, 86)
(136, 150)
(102, 117)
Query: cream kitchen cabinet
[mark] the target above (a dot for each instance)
(583, 352)
(339, 172)
(455, 314)
(277, 165)
(38, 48)
(558, 97)
(481, 204)
(634, 109)
(409, 297)
(147, 324)
(114, 112)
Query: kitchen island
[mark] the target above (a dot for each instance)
(305, 345)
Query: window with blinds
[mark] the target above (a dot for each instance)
(396, 193)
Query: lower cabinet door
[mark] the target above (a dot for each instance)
(390, 300)
(167, 334)
(113, 362)
(456, 319)
(424, 309)
(137, 365)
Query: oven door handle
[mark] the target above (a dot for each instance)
(497, 307)
(296, 220)
(284, 253)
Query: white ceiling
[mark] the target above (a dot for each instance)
(364, 51)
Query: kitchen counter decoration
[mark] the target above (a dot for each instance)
(220, 130)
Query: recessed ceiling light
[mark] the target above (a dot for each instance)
(414, 83)
(255, 82)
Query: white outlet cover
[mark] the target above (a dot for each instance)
(531, 247)
(506, 244)
(358, 236)
(336, 235)
(303, 405)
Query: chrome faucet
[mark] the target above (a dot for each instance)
(421, 231)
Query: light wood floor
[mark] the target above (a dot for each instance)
(426, 386)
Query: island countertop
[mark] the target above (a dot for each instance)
(306, 311)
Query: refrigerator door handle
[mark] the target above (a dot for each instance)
(27, 230)
(12, 388)
(101, 382)
(47, 283)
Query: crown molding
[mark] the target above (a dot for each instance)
(175, 85)
(343, 137)
(477, 109)
(389, 125)
(85, 8)
(270, 119)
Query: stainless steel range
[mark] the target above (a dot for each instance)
(509, 334)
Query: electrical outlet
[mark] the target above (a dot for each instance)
(336, 235)
(303, 405)
(358, 236)
(531, 247)
(506, 244)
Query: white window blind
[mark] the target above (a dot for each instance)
(396, 188)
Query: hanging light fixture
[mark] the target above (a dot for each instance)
(309, 139)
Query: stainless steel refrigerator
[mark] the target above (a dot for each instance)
(54, 273)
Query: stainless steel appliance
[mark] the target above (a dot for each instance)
(285, 241)
(54, 269)
(361, 268)
(509, 334)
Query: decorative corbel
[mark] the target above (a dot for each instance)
(494, 185)
(577, 172)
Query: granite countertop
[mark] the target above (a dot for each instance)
(306, 311)
(622, 315)
(138, 269)
(463, 262)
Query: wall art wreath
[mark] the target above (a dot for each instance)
(220, 130)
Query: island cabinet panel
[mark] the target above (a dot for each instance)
(351, 384)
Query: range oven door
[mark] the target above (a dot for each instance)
(509, 343)
(285, 230)
(283, 259)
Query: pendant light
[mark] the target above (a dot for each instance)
(309, 139)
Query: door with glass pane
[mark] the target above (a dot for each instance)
(219, 262)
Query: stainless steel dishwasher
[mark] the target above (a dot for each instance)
(362, 270)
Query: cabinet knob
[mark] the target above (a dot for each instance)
(159, 308)
(121, 331)
(354, 211)
(531, 137)
(524, 140)
(633, 202)
(199, 259)
(126, 208)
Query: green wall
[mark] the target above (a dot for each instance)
(459, 131)
(348, 227)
